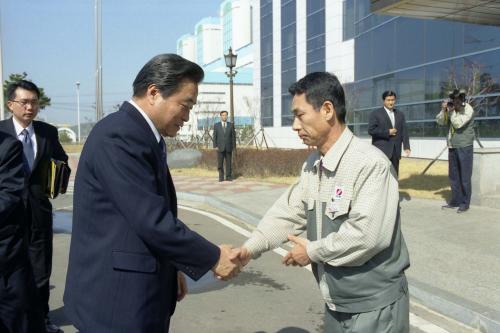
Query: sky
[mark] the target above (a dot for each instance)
(54, 42)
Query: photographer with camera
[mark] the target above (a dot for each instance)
(459, 117)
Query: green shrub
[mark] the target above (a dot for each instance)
(261, 163)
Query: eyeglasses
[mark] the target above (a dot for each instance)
(25, 102)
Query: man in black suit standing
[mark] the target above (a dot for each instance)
(387, 126)
(224, 141)
(40, 144)
(17, 286)
(128, 246)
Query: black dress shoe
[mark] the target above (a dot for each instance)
(449, 206)
(229, 179)
(462, 210)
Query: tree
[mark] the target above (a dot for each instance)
(44, 99)
(474, 80)
(64, 137)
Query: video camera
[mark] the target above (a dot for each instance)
(449, 103)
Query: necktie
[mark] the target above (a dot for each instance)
(29, 153)
(163, 148)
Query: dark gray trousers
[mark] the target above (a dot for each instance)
(221, 156)
(393, 318)
(460, 174)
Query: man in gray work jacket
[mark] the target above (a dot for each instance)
(347, 200)
(459, 117)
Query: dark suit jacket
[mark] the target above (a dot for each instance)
(13, 250)
(378, 127)
(127, 243)
(224, 140)
(48, 147)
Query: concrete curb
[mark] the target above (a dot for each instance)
(217, 203)
(473, 315)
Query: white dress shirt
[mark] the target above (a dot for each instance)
(390, 113)
(19, 128)
(149, 121)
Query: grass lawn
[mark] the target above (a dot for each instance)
(71, 148)
(433, 185)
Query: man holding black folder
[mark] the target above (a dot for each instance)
(16, 278)
(40, 146)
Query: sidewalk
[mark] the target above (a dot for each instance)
(455, 265)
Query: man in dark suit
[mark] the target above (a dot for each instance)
(40, 144)
(224, 141)
(387, 126)
(16, 278)
(128, 247)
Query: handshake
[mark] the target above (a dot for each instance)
(232, 260)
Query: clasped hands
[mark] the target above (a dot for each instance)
(232, 260)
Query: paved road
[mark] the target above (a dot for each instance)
(266, 297)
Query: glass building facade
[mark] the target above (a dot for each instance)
(266, 61)
(315, 35)
(422, 60)
(288, 57)
(227, 23)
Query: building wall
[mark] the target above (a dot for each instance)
(300, 37)
(236, 18)
(257, 72)
(419, 59)
(208, 41)
(186, 47)
(213, 99)
(422, 60)
(339, 58)
(267, 61)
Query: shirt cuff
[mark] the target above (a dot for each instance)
(314, 251)
(256, 246)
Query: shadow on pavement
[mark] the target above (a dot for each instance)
(404, 196)
(58, 317)
(248, 277)
(427, 183)
(288, 330)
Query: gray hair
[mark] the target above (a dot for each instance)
(166, 72)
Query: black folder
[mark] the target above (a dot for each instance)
(58, 178)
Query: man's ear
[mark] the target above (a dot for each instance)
(151, 93)
(328, 111)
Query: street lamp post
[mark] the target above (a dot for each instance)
(230, 59)
(78, 107)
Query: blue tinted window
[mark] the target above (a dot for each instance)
(409, 43)
(384, 52)
(348, 19)
(266, 59)
(362, 9)
(480, 37)
(410, 85)
(315, 36)
(314, 5)
(444, 39)
(288, 57)
(488, 128)
(286, 115)
(422, 60)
